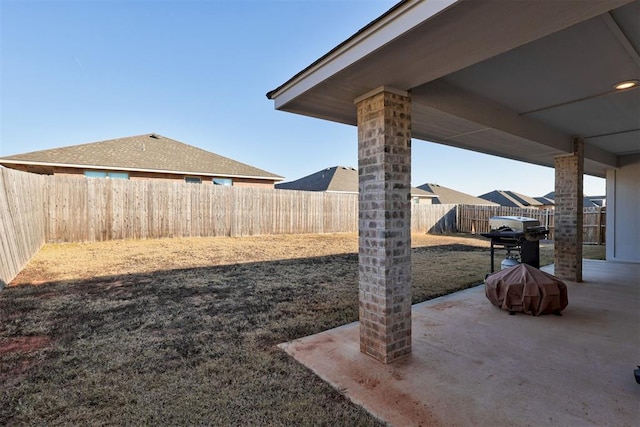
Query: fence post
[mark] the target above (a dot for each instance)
(546, 218)
(599, 226)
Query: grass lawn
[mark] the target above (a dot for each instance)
(183, 331)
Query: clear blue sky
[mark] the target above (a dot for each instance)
(74, 72)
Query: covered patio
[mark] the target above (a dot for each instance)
(473, 364)
(553, 83)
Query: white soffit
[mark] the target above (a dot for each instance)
(517, 79)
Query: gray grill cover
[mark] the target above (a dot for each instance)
(526, 289)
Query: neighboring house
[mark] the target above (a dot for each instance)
(445, 196)
(600, 201)
(511, 199)
(149, 156)
(587, 201)
(546, 202)
(340, 179)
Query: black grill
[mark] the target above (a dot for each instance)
(517, 235)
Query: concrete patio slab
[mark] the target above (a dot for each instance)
(474, 364)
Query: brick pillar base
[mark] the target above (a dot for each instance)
(569, 214)
(384, 168)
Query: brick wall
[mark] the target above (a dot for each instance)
(384, 151)
(569, 197)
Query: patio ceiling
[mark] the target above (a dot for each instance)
(512, 79)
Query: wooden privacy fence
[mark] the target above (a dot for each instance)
(35, 209)
(594, 225)
(104, 209)
(435, 219)
(22, 218)
(475, 219)
(101, 209)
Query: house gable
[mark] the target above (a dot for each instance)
(445, 196)
(150, 154)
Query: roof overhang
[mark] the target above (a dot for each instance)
(513, 79)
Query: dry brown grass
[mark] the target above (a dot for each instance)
(183, 331)
(72, 261)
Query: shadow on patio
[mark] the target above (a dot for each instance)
(473, 364)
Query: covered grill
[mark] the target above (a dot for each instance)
(522, 287)
(519, 236)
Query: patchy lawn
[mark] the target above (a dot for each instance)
(183, 331)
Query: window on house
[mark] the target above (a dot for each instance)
(95, 174)
(105, 174)
(222, 181)
(118, 175)
(192, 180)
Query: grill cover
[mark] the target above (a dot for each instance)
(526, 289)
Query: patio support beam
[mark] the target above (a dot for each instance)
(384, 170)
(569, 172)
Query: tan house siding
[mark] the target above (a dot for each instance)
(31, 169)
(133, 175)
(247, 182)
(67, 171)
(422, 200)
(141, 176)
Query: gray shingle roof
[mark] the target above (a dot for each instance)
(545, 200)
(149, 152)
(330, 179)
(587, 201)
(336, 179)
(449, 196)
(511, 198)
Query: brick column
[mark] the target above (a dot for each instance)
(384, 169)
(568, 213)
